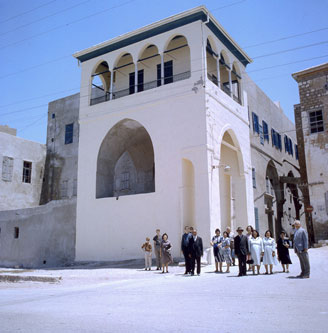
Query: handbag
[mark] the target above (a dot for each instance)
(250, 261)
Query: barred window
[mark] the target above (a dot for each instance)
(27, 172)
(7, 168)
(316, 121)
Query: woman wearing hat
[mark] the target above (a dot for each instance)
(283, 252)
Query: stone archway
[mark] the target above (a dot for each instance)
(274, 199)
(125, 163)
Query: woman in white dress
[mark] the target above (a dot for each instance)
(269, 258)
(255, 245)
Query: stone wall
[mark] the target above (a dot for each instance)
(60, 178)
(37, 237)
(313, 147)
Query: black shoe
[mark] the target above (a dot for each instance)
(192, 274)
(240, 274)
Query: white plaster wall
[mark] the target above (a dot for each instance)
(16, 194)
(224, 114)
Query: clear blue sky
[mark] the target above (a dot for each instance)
(38, 37)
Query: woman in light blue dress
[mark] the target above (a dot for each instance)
(226, 250)
(270, 257)
(217, 249)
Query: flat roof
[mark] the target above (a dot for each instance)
(310, 70)
(167, 24)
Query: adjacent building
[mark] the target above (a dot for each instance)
(22, 168)
(311, 120)
(278, 200)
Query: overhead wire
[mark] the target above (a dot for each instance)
(44, 18)
(69, 23)
(27, 12)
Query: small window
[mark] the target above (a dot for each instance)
(53, 116)
(255, 118)
(279, 142)
(63, 189)
(290, 144)
(125, 181)
(16, 233)
(267, 184)
(132, 80)
(286, 144)
(296, 151)
(69, 133)
(261, 135)
(316, 121)
(7, 168)
(254, 177)
(265, 130)
(27, 172)
(74, 187)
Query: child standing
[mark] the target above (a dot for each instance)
(147, 248)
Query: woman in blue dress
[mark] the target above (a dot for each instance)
(226, 250)
(217, 249)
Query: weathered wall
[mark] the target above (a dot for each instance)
(60, 179)
(281, 164)
(313, 90)
(46, 235)
(14, 193)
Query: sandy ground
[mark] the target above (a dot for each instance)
(130, 299)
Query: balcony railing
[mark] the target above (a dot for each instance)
(141, 87)
(236, 99)
(225, 89)
(100, 99)
(212, 78)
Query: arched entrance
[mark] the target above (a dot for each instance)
(274, 199)
(233, 204)
(125, 163)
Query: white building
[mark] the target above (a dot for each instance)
(164, 142)
(22, 165)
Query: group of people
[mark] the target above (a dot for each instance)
(162, 247)
(250, 249)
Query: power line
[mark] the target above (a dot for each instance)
(68, 24)
(229, 5)
(285, 38)
(29, 11)
(289, 50)
(44, 18)
(288, 63)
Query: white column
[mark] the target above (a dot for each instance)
(218, 70)
(230, 81)
(136, 78)
(162, 69)
(111, 85)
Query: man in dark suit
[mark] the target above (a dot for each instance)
(241, 250)
(196, 251)
(185, 249)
